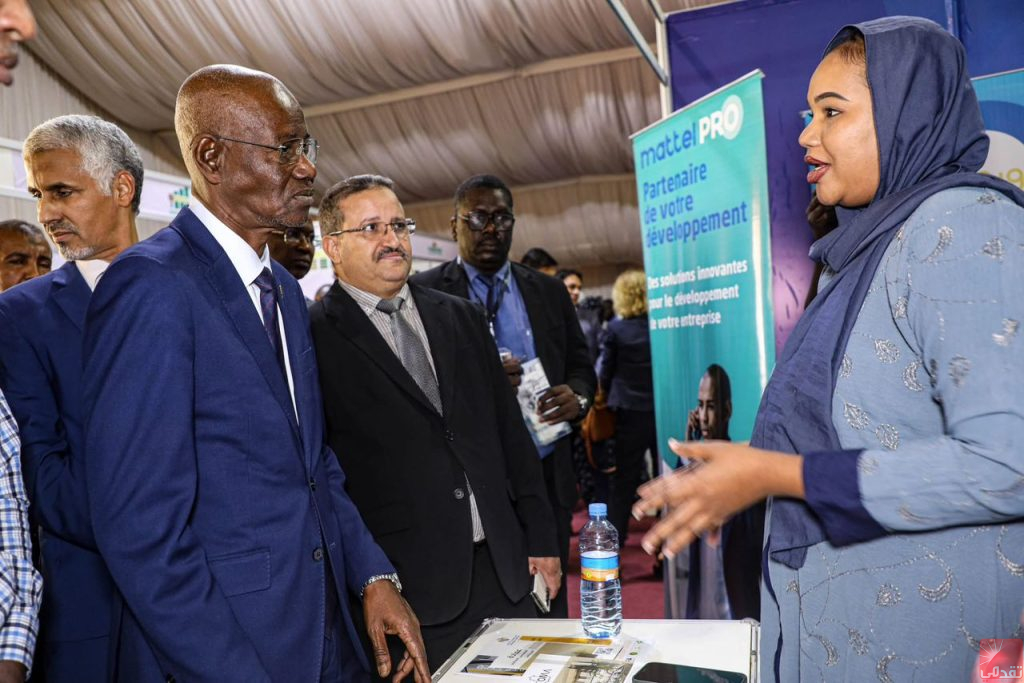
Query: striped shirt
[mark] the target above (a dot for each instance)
(21, 586)
(382, 321)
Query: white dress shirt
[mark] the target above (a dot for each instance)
(249, 266)
(91, 271)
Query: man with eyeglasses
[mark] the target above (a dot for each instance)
(293, 248)
(218, 508)
(438, 459)
(531, 315)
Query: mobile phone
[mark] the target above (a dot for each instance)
(663, 672)
(540, 593)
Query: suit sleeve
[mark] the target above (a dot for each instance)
(579, 371)
(142, 476)
(363, 557)
(521, 462)
(53, 479)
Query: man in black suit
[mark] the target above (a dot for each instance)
(438, 459)
(532, 316)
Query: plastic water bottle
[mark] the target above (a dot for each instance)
(600, 593)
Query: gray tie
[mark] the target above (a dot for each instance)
(411, 351)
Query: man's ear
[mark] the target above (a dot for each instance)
(124, 189)
(728, 409)
(333, 250)
(454, 222)
(208, 155)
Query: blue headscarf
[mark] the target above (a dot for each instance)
(930, 138)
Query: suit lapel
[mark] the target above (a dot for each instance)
(439, 323)
(224, 280)
(305, 400)
(71, 293)
(455, 280)
(352, 323)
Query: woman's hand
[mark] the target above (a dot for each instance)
(724, 479)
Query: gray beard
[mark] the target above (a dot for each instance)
(79, 254)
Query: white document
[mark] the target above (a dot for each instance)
(534, 383)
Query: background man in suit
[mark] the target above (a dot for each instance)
(218, 509)
(293, 248)
(24, 253)
(532, 316)
(438, 459)
(86, 176)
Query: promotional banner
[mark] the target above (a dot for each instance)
(1001, 97)
(703, 197)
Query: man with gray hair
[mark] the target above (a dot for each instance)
(24, 253)
(86, 176)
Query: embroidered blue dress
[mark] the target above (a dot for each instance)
(929, 409)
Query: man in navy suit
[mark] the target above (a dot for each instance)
(215, 503)
(86, 176)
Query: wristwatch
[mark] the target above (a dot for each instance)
(392, 577)
(584, 404)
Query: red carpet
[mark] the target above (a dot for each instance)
(642, 592)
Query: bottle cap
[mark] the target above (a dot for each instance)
(598, 510)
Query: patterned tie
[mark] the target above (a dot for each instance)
(411, 351)
(268, 305)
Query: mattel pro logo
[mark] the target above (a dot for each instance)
(1001, 659)
(726, 122)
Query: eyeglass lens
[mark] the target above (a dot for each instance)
(307, 147)
(478, 220)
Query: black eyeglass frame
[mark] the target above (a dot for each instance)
(308, 147)
(492, 219)
(304, 237)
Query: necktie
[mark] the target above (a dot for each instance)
(268, 305)
(411, 351)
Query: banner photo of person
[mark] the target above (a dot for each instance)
(703, 198)
(1001, 97)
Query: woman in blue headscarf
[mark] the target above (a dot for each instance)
(890, 439)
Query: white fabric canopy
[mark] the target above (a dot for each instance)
(543, 93)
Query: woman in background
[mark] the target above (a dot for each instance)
(624, 374)
(891, 432)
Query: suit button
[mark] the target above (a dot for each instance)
(170, 678)
(312, 484)
(318, 554)
(449, 434)
(459, 494)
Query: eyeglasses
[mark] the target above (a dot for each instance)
(294, 237)
(290, 151)
(478, 220)
(372, 231)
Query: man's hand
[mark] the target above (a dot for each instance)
(731, 477)
(551, 569)
(387, 612)
(693, 426)
(514, 370)
(12, 672)
(561, 402)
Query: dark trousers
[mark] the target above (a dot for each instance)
(563, 532)
(487, 599)
(635, 433)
